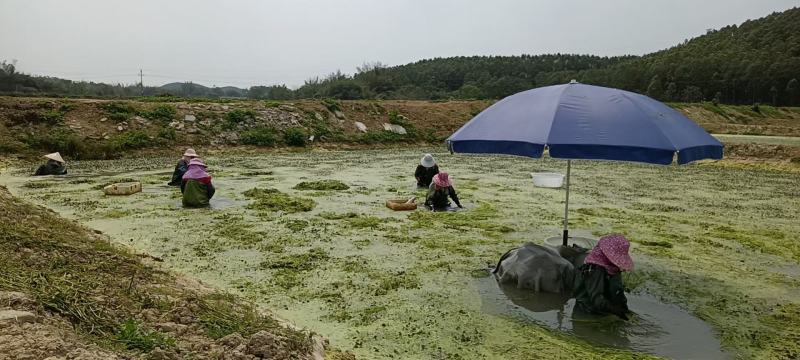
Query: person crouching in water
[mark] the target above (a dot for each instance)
(196, 186)
(181, 167)
(55, 166)
(440, 189)
(598, 282)
(426, 169)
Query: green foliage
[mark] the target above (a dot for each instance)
(134, 337)
(119, 111)
(238, 116)
(51, 116)
(274, 200)
(331, 105)
(260, 136)
(756, 107)
(321, 185)
(221, 315)
(295, 136)
(272, 104)
(162, 112)
(131, 140)
(167, 133)
(304, 261)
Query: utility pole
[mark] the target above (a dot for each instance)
(141, 81)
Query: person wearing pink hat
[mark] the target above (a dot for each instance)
(183, 165)
(440, 190)
(196, 186)
(598, 282)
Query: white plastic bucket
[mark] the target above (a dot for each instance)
(547, 179)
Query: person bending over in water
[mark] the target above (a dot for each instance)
(181, 167)
(55, 166)
(196, 186)
(598, 282)
(441, 188)
(426, 169)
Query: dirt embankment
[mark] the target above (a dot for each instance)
(66, 293)
(87, 129)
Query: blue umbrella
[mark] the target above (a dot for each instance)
(577, 121)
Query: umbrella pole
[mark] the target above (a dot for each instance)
(566, 209)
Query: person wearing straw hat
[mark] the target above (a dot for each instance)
(183, 165)
(426, 169)
(598, 282)
(55, 166)
(440, 190)
(196, 186)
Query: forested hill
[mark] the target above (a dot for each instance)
(757, 61)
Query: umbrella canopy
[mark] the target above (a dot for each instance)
(577, 121)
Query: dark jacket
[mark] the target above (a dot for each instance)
(197, 193)
(52, 167)
(425, 175)
(177, 175)
(437, 198)
(598, 292)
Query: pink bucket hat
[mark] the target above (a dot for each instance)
(615, 248)
(197, 161)
(442, 180)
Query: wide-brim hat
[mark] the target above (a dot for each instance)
(615, 248)
(427, 161)
(197, 161)
(55, 156)
(190, 153)
(442, 180)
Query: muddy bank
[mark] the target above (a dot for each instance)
(66, 292)
(390, 284)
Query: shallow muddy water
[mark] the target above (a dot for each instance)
(385, 284)
(654, 327)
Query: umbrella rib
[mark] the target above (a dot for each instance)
(555, 115)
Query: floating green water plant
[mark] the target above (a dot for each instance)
(274, 200)
(322, 185)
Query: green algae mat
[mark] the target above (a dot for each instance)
(307, 236)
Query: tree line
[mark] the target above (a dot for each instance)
(755, 62)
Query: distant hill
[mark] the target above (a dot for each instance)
(757, 61)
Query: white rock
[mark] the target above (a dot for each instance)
(311, 138)
(338, 114)
(318, 116)
(103, 120)
(397, 129)
(225, 107)
(361, 127)
(17, 316)
(189, 118)
(120, 128)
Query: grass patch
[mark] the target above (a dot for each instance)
(260, 136)
(321, 185)
(302, 262)
(133, 337)
(295, 137)
(480, 218)
(329, 215)
(274, 200)
(220, 315)
(39, 184)
(365, 222)
(162, 112)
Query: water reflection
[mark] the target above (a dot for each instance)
(656, 328)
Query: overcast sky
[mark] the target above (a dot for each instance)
(251, 42)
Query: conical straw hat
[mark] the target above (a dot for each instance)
(55, 156)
